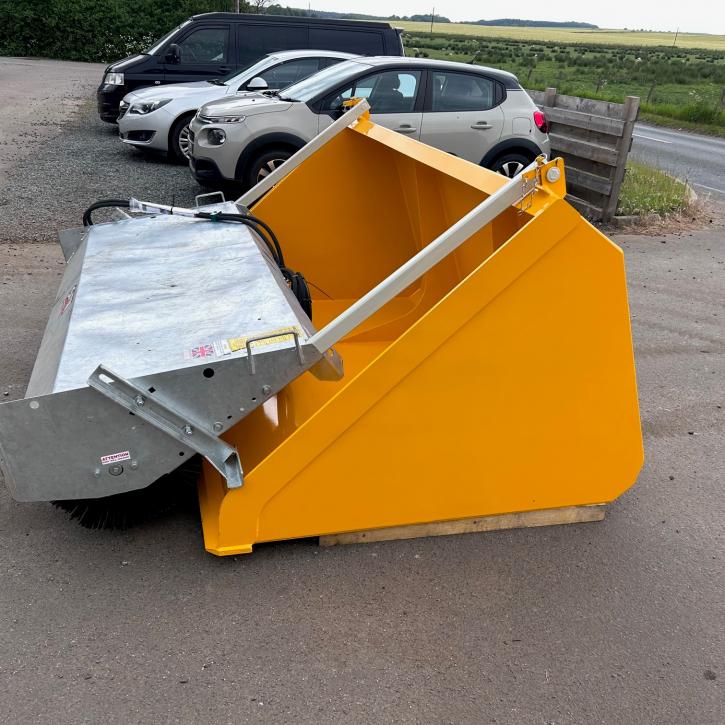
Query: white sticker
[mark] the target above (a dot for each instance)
(115, 457)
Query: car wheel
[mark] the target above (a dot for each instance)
(510, 164)
(265, 164)
(179, 144)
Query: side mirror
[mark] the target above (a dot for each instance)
(257, 84)
(173, 54)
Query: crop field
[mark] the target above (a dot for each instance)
(673, 83)
(573, 35)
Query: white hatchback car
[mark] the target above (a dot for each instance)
(158, 117)
(480, 114)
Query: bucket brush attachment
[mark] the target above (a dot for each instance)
(483, 323)
(199, 311)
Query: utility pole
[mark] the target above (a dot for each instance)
(432, 15)
(236, 6)
(677, 32)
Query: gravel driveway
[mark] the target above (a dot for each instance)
(73, 163)
(37, 98)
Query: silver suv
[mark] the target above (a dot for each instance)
(480, 114)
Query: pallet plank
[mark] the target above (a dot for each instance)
(525, 519)
(601, 124)
(576, 177)
(602, 154)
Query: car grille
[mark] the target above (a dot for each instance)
(122, 108)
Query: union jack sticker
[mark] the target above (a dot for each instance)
(199, 353)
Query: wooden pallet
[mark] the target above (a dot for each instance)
(523, 520)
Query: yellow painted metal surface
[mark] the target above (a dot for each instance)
(503, 381)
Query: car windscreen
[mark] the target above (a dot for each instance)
(318, 83)
(254, 68)
(159, 43)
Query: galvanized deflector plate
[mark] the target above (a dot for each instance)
(181, 428)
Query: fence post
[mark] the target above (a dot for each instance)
(631, 110)
(549, 97)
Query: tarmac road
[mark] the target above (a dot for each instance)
(694, 157)
(614, 622)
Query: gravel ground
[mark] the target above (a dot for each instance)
(76, 166)
(37, 97)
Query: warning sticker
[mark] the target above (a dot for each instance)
(115, 457)
(220, 348)
(272, 337)
(67, 300)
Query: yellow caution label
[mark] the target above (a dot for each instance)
(270, 337)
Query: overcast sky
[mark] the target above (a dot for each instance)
(694, 16)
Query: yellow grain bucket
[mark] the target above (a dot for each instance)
(484, 330)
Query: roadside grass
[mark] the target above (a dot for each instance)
(571, 35)
(704, 128)
(649, 191)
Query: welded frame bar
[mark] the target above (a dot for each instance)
(181, 428)
(347, 118)
(424, 260)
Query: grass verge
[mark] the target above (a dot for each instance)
(658, 120)
(648, 191)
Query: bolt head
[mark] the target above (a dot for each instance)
(217, 426)
(140, 400)
(188, 430)
(115, 470)
(553, 174)
(266, 389)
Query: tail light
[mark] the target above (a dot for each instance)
(541, 123)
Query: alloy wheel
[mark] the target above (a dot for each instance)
(511, 168)
(268, 168)
(185, 142)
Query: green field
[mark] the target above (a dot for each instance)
(684, 85)
(573, 35)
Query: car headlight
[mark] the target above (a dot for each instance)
(215, 137)
(145, 107)
(113, 79)
(220, 119)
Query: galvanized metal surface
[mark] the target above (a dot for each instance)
(141, 295)
(190, 433)
(169, 304)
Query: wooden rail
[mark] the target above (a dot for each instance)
(594, 139)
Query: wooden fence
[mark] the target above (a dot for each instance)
(594, 139)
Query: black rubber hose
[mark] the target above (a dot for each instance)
(269, 237)
(102, 204)
(300, 289)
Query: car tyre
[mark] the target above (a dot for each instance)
(179, 146)
(510, 164)
(264, 164)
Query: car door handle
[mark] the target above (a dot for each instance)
(405, 128)
(481, 125)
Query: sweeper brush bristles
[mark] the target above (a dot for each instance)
(126, 510)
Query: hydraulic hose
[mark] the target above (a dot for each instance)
(102, 204)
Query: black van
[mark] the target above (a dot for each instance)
(217, 44)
